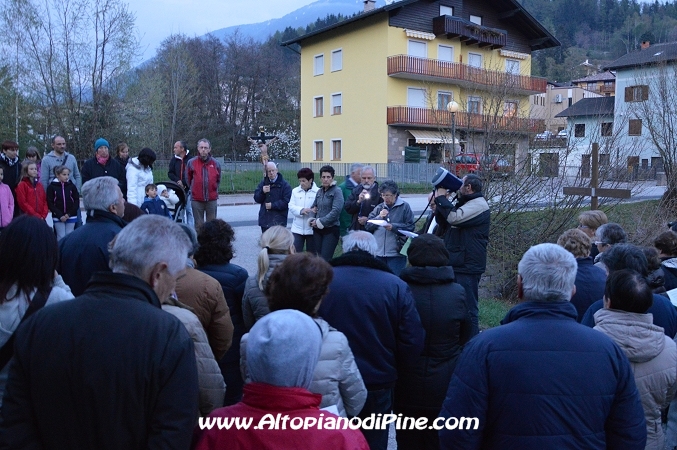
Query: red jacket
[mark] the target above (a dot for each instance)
(261, 399)
(203, 178)
(31, 198)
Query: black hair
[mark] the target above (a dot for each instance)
(27, 235)
(150, 186)
(147, 157)
(328, 169)
(306, 173)
(625, 256)
(629, 291)
(216, 243)
(474, 182)
(612, 234)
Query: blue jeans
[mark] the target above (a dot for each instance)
(470, 283)
(304, 239)
(394, 263)
(190, 221)
(325, 241)
(379, 401)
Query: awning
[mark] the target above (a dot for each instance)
(431, 137)
(419, 34)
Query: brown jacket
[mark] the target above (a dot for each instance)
(204, 294)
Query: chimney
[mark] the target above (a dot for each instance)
(369, 5)
(645, 45)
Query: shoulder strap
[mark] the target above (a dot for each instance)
(7, 350)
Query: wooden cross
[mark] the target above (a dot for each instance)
(262, 141)
(594, 191)
(261, 138)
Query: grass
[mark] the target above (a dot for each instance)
(492, 312)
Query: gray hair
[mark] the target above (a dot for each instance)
(389, 186)
(355, 166)
(548, 273)
(369, 168)
(99, 193)
(147, 241)
(204, 140)
(359, 240)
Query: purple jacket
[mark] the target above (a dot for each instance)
(6, 205)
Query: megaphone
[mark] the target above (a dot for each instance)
(447, 180)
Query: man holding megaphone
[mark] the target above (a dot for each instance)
(464, 226)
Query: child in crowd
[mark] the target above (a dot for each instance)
(6, 202)
(169, 197)
(152, 203)
(30, 195)
(63, 201)
(33, 155)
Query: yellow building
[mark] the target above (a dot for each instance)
(378, 82)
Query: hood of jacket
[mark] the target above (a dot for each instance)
(273, 261)
(635, 333)
(670, 263)
(541, 310)
(136, 164)
(360, 258)
(428, 275)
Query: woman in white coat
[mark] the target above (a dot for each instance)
(139, 175)
(302, 198)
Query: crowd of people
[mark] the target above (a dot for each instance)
(136, 332)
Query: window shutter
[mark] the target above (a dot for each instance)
(645, 93)
(628, 94)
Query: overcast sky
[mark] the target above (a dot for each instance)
(157, 19)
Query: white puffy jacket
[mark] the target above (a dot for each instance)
(336, 375)
(209, 379)
(138, 178)
(302, 199)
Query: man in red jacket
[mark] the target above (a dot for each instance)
(203, 177)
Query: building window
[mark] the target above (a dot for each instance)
(475, 60)
(607, 128)
(446, 10)
(510, 109)
(637, 93)
(445, 53)
(336, 60)
(318, 107)
(579, 130)
(512, 66)
(476, 19)
(318, 68)
(336, 103)
(443, 98)
(416, 98)
(475, 105)
(604, 159)
(418, 48)
(635, 127)
(336, 150)
(318, 150)
(591, 87)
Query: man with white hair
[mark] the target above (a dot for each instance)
(110, 370)
(541, 380)
(85, 250)
(273, 193)
(377, 313)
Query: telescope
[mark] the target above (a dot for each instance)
(447, 180)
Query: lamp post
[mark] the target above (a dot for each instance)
(452, 107)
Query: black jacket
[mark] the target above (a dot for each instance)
(279, 196)
(362, 209)
(177, 170)
(441, 305)
(92, 169)
(107, 370)
(63, 198)
(85, 250)
(11, 177)
(465, 230)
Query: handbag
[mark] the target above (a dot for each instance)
(7, 350)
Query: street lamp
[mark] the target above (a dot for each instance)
(452, 107)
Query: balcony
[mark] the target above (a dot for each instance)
(436, 118)
(469, 33)
(412, 67)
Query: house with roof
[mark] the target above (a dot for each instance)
(557, 98)
(643, 85)
(379, 83)
(603, 83)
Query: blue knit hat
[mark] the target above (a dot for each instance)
(101, 142)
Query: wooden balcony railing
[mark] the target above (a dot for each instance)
(415, 67)
(470, 33)
(434, 118)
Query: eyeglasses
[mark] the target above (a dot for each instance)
(600, 243)
(582, 226)
(387, 196)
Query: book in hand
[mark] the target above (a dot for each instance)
(408, 233)
(379, 222)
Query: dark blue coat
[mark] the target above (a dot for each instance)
(279, 196)
(85, 251)
(543, 381)
(376, 312)
(107, 370)
(664, 314)
(155, 206)
(590, 282)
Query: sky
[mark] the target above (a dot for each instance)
(158, 19)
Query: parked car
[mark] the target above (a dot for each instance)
(562, 134)
(467, 163)
(546, 135)
(503, 168)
